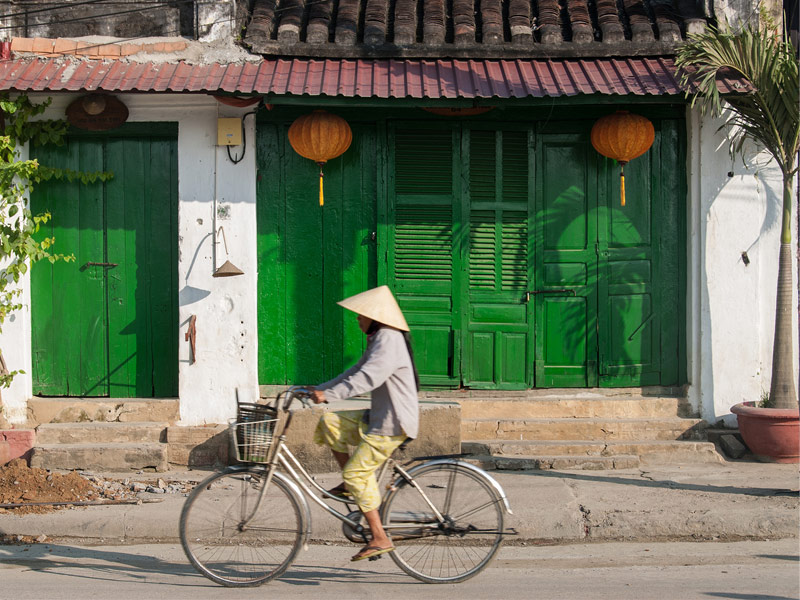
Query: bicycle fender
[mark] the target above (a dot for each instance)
(477, 470)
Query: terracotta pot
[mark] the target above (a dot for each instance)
(770, 432)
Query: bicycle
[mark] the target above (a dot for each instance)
(244, 526)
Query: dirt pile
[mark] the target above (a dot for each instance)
(20, 484)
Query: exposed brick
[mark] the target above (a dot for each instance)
(42, 45)
(110, 50)
(63, 46)
(128, 49)
(160, 47)
(174, 46)
(22, 44)
(16, 443)
(83, 48)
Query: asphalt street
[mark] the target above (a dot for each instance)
(766, 570)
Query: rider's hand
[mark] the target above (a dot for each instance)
(318, 397)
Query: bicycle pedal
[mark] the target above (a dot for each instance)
(375, 557)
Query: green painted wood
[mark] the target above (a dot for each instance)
(422, 255)
(471, 215)
(310, 257)
(565, 278)
(497, 331)
(100, 331)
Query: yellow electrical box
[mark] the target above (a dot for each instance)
(229, 132)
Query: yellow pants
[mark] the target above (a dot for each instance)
(346, 428)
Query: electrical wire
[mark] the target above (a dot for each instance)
(239, 159)
(159, 7)
(112, 14)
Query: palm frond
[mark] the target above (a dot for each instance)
(770, 113)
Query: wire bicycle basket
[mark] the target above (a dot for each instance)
(252, 432)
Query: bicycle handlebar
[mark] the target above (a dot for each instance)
(299, 392)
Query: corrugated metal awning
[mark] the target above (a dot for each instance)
(359, 78)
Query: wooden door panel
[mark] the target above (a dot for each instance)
(310, 257)
(497, 205)
(629, 304)
(566, 261)
(69, 318)
(421, 244)
(109, 330)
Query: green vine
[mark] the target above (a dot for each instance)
(20, 244)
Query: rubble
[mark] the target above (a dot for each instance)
(26, 488)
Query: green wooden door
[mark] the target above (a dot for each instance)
(639, 286)
(497, 205)
(310, 257)
(109, 329)
(565, 280)
(422, 244)
(516, 266)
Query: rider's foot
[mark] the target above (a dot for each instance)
(373, 550)
(339, 490)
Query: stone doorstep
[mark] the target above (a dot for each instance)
(16, 443)
(206, 445)
(649, 452)
(101, 457)
(82, 410)
(582, 429)
(560, 463)
(593, 408)
(100, 432)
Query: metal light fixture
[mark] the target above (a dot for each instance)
(227, 269)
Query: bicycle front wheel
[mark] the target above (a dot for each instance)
(233, 539)
(463, 544)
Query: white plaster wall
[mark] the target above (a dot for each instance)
(227, 349)
(15, 341)
(734, 207)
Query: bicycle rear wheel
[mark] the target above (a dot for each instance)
(227, 548)
(452, 551)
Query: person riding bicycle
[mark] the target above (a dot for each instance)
(387, 370)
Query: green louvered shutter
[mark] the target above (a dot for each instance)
(420, 251)
(497, 341)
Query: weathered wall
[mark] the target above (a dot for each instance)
(730, 305)
(207, 20)
(734, 207)
(225, 307)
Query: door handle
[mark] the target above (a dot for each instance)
(101, 264)
(567, 291)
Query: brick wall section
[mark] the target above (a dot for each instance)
(16, 443)
(54, 48)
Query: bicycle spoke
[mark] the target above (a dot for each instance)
(457, 548)
(230, 543)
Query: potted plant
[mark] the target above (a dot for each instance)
(768, 115)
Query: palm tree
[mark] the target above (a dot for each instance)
(767, 114)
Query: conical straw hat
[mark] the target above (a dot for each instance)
(379, 305)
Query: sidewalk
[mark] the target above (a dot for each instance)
(725, 502)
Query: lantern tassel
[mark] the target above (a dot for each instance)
(321, 194)
(622, 185)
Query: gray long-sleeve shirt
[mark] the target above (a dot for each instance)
(385, 370)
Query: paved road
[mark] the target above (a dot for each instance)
(766, 570)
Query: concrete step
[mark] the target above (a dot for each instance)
(101, 457)
(651, 452)
(103, 410)
(561, 463)
(100, 433)
(582, 407)
(582, 429)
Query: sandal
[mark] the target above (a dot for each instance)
(371, 552)
(339, 490)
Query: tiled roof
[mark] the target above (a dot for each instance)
(470, 28)
(359, 78)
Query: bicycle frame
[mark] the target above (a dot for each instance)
(306, 487)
